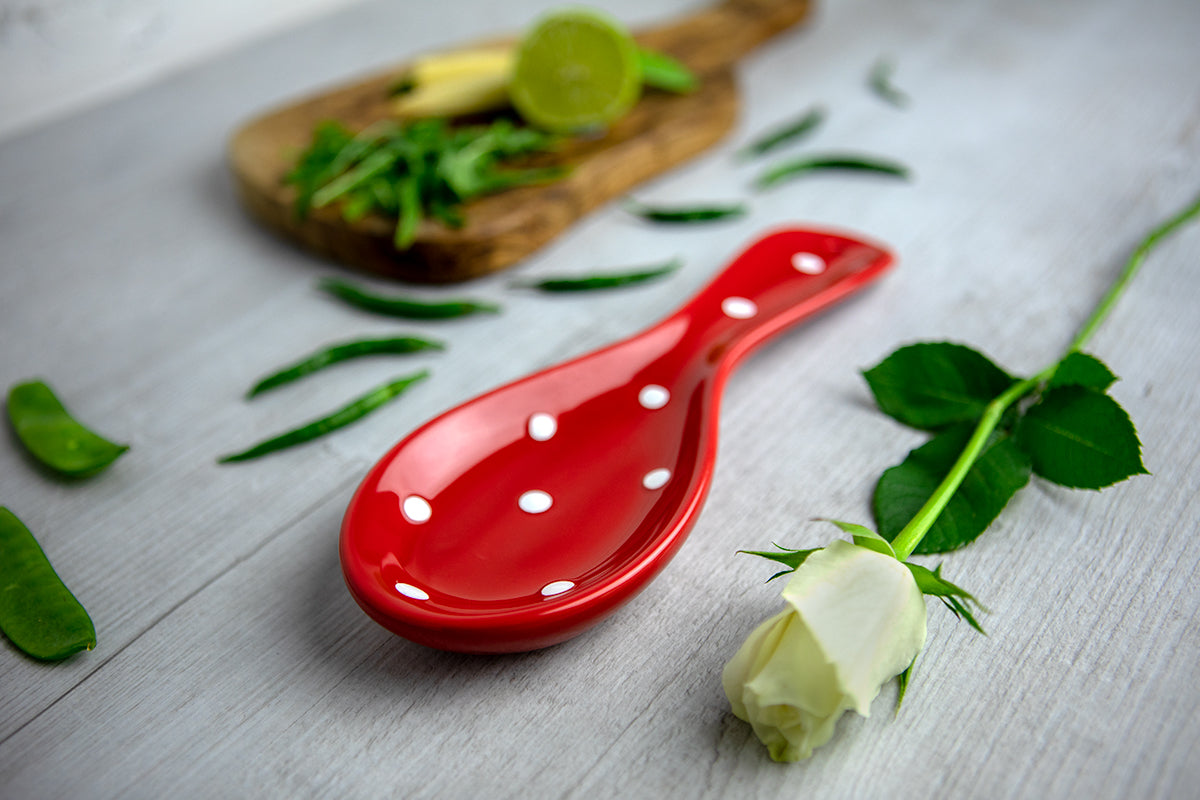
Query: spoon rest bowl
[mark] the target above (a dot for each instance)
(522, 517)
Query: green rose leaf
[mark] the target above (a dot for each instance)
(995, 477)
(1080, 369)
(1080, 438)
(935, 384)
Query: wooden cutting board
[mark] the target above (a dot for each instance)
(661, 131)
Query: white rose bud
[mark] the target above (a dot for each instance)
(855, 619)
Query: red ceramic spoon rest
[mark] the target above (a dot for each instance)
(521, 518)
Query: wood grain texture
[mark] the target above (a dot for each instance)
(1045, 141)
(660, 132)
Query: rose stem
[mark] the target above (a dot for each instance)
(911, 534)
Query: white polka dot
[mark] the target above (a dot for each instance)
(417, 509)
(808, 263)
(738, 307)
(535, 501)
(408, 590)
(557, 587)
(653, 396)
(656, 478)
(542, 427)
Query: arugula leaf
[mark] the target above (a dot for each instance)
(409, 171)
(1001, 470)
(357, 206)
(408, 211)
(1080, 369)
(374, 164)
(934, 384)
(312, 168)
(1081, 438)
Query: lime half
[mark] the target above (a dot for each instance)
(576, 69)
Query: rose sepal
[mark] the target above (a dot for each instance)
(955, 598)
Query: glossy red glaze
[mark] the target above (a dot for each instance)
(479, 574)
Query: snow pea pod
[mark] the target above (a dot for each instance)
(402, 306)
(38, 613)
(354, 411)
(609, 281)
(342, 352)
(53, 436)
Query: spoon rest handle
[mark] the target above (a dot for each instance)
(781, 279)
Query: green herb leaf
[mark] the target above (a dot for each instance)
(407, 192)
(342, 352)
(376, 163)
(358, 204)
(786, 556)
(958, 600)
(1080, 369)
(313, 167)
(409, 171)
(607, 281)
(404, 307)
(352, 412)
(806, 165)
(880, 81)
(1001, 470)
(660, 71)
(53, 436)
(935, 384)
(784, 134)
(38, 613)
(1081, 438)
(685, 214)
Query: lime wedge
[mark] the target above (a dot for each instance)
(576, 69)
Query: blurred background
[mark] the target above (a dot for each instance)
(59, 56)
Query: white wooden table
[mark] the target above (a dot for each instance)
(1046, 139)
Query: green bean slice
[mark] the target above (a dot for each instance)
(784, 134)
(685, 214)
(352, 412)
(402, 306)
(608, 281)
(38, 613)
(345, 351)
(808, 164)
(53, 436)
